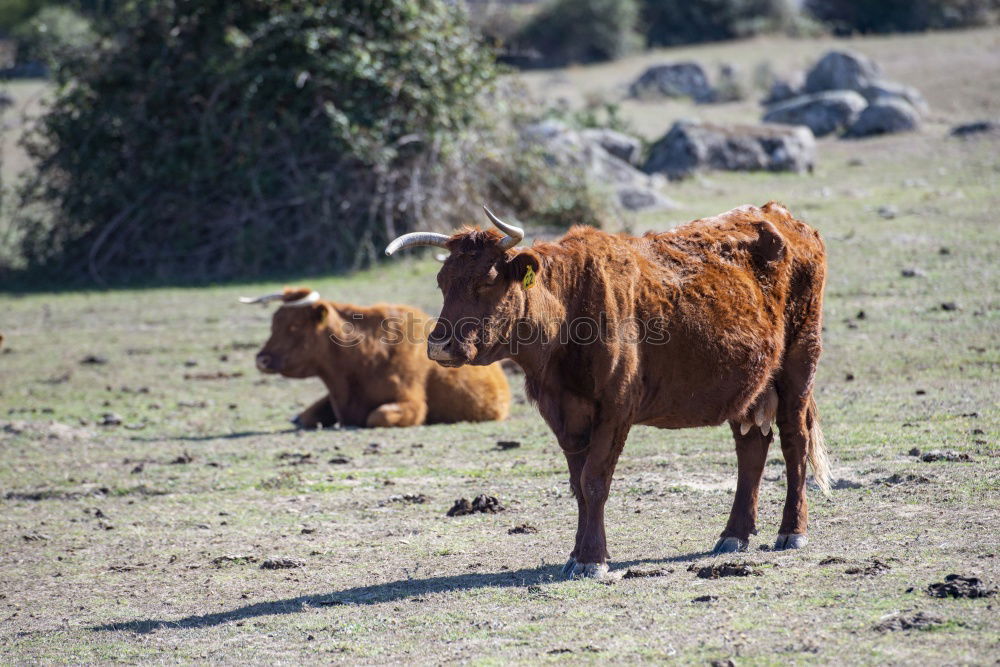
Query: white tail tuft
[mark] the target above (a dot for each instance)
(818, 458)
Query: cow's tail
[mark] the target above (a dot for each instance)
(818, 458)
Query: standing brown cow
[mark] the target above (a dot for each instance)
(717, 320)
(373, 364)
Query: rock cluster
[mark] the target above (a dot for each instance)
(691, 146)
(845, 94)
(605, 156)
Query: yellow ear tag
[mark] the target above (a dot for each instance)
(529, 278)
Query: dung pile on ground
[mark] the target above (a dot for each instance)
(481, 504)
(946, 455)
(282, 563)
(870, 569)
(718, 570)
(641, 573)
(957, 586)
(918, 621)
(523, 529)
(405, 499)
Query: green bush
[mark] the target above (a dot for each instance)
(15, 12)
(222, 138)
(848, 16)
(672, 22)
(581, 31)
(55, 35)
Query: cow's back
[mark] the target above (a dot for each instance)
(734, 290)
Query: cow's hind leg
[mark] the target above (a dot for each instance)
(575, 461)
(801, 442)
(751, 454)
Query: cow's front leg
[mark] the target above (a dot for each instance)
(751, 454)
(576, 460)
(403, 413)
(319, 414)
(606, 444)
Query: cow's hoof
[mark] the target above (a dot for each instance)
(728, 545)
(590, 571)
(790, 542)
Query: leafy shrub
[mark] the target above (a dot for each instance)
(54, 36)
(15, 12)
(672, 22)
(552, 197)
(582, 31)
(222, 138)
(847, 16)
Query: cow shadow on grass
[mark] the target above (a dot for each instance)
(392, 591)
(233, 435)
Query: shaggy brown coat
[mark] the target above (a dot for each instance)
(373, 363)
(728, 311)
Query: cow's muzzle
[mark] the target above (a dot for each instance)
(442, 353)
(266, 363)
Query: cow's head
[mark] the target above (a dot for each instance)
(298, 333)
(484, 283)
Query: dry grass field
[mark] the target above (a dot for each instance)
(146, 540)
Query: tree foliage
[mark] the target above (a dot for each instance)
(847, 16)
(672, 22)
(582, 31)
(221, 138)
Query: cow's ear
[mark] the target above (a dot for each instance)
(321, 313)
(524, 268)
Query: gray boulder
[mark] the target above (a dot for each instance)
(823, 113)
(619, 144)
(563, 146)
(884, 90)
(885, 117)
(634, 198)
(674, 80)
(785, 89)
(842, 70)
(689, 147)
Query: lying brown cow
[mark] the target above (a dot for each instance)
(373, 364)
(718, 320)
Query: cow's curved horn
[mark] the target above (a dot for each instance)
(514, 234)
(307, 300)
(277, 296)
(417, 238)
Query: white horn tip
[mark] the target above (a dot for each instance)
(246, 299)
